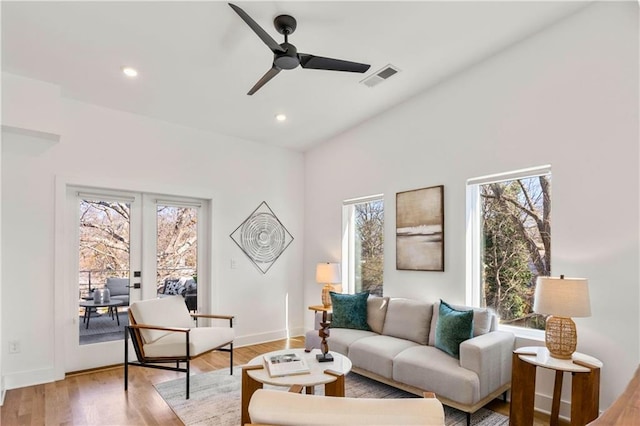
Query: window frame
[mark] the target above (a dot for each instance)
(473, 252)
(348, 239)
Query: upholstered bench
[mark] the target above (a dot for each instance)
(273, 407)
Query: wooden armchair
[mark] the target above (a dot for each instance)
(162, 331)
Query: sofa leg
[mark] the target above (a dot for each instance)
(468, 419)
(231, 359)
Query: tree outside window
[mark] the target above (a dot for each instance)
(363, 249)
(516, 246)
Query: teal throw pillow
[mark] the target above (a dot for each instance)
(453, 327)
(349, 310)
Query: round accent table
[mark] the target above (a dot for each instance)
(585, 385)
(329, 374)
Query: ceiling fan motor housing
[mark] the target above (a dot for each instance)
(287, 60)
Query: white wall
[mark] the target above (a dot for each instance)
(98, 144)
(567, 97)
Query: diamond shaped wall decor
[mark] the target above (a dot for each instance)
(262, 237)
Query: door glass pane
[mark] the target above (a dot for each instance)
(177, 253)
(104, 264)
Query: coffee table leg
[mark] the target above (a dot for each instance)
(114, 310)
(249, 386)
(335, 388)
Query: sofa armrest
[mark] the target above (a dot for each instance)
(489, 356)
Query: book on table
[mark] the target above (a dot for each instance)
(286, 365)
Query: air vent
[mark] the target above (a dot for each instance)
(380, 76)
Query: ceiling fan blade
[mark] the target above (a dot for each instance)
(268, 40)
(265, 78)
(321, 63)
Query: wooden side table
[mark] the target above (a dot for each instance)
(585, 385)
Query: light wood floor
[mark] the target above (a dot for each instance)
(98, 397)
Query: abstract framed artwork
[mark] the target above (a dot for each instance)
(420, 229)
(262, 237)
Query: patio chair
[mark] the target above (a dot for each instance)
(185, 286)
(118, 289)
(162, 331)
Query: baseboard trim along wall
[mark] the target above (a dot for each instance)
(29, 378)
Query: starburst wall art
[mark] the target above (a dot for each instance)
(262, 237)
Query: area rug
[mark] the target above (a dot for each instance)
(215, 399)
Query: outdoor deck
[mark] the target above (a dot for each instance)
(102, 328)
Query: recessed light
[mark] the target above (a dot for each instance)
(130, 72)
(281, 117)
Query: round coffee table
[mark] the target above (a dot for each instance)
(90, 306)
(329, 374)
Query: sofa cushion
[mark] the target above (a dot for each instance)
(483, 319)
(376, 312)
(453, 328)
(376, 353)
(340, 339)
(349, 310)
(429, 368)
(408, 319)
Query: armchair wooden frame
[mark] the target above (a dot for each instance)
(133, 330)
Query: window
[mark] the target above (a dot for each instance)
(363, 244)
(510, 242)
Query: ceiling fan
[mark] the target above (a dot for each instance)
(286, 56)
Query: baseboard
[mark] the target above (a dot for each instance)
(2, 391)
(543, 405)
(29, 378)
(255, 339)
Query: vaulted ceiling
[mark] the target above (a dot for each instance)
(197, 60)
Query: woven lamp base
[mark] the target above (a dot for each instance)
(326, 297)
(560, 337)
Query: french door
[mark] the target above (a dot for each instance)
(135, 245)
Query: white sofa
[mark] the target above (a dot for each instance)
(400, 351)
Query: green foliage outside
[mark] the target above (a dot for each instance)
(369, 229)
(516, 246)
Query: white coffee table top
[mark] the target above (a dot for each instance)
(341, 365)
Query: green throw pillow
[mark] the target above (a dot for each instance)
(453, 327)
(349, 310)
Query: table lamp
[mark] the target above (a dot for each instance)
(561, 298)
(328, 274)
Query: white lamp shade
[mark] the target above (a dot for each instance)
(562, 297)
(328, 273)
